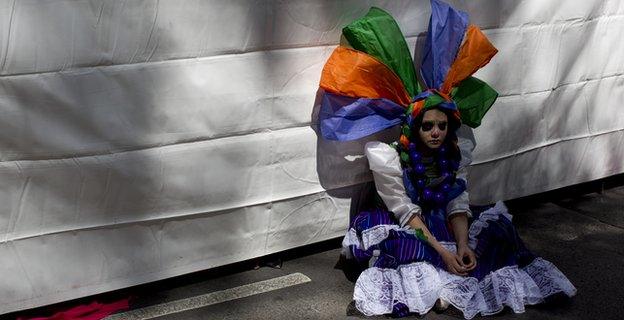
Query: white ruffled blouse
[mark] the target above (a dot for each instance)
(384, 162)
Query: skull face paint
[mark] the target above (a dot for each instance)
(433, 128)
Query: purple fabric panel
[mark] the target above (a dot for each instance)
(368, 219)
(345, 118)
(498, 246)
(450, 105)
(399, 248)
(422, 95)
(446, 32)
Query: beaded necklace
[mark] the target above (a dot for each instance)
(427, 191)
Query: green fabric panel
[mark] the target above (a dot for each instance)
(473, 98)
(432, 101)
(407, 131)
(405, 157)
(378, 34)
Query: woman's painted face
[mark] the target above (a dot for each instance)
(433, 129)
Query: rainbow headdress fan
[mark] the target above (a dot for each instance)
(373, 85)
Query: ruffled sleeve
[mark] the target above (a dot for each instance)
(466, 143)
(383, 160)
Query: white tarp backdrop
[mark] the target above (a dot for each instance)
(141, 140)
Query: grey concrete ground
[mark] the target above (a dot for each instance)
(581, 232)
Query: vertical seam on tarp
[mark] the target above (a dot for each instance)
(17, 212)
(21, 264)
(271, 133)
(586, 109)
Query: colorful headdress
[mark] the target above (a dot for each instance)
(374, 86)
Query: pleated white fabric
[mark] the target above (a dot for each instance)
(141, 140)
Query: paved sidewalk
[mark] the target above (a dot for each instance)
(581, 233)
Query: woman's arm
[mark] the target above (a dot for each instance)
(459, 224)
(458, 210)
(383, 160)
(417, 224)
(452, 261)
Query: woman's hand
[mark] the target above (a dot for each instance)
(466, 257)
(453, 263)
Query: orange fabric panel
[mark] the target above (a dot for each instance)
(404, 141)
(356, 74)
(418, 105)
(475, 53)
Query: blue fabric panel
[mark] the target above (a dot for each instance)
(447, 27)
(457, 189)
(345, 118)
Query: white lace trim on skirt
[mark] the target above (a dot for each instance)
(418, 285)
(370, 237)
(481, 223)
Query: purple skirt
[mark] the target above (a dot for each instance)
(405, 275)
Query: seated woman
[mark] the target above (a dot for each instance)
(419, 243)
(423, 244)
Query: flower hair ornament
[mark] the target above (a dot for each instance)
(373, 86)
